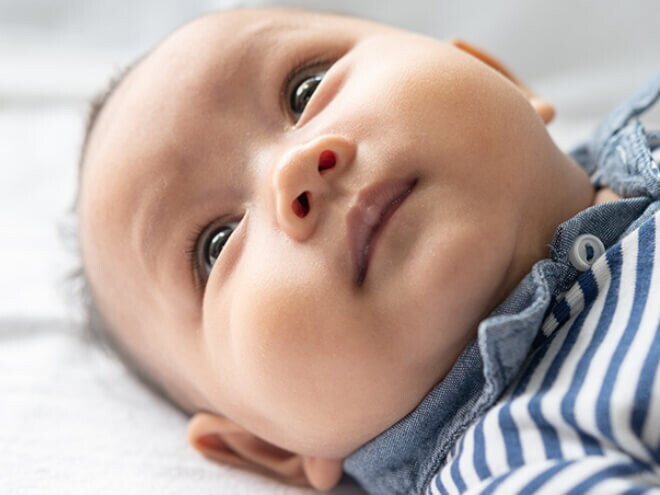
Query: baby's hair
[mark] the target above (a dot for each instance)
(96, 330)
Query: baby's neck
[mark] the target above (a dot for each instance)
(604, 195)
(548, 207)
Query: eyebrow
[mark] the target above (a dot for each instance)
(147, 228)
(158, 224)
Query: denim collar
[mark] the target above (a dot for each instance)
(404, 458)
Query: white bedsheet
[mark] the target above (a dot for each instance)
(72, 420)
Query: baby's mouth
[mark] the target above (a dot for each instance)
(365, 221)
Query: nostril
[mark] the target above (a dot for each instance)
(300, 205)
(327, 160)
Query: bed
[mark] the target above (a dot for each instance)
(72, 419)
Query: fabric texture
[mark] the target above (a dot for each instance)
(485, 427)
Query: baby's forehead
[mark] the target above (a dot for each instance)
(176, 68)
(243, 28)
(235, 33)
(228, 43)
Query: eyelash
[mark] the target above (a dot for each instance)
(192, 243)
(299, 68)
(191, 253)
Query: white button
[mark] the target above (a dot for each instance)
(585, 251)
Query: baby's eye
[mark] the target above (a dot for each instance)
(210, 245)
(301, 90)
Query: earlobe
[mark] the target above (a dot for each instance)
(220, 439)
(544, 109)
(323, 474)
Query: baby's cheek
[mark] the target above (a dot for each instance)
(286, 305)
(300, 348)
(274, 327)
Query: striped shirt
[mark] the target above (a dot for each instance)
(584, 414)
(560, 392)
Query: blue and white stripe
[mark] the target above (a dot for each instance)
(584, 414)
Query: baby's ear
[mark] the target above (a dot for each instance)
(542, 107)
(222, 440)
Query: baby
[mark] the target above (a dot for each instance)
(343, 247)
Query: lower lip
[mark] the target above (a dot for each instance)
(391, 209)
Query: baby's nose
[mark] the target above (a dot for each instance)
(301, 205)
(302, 183)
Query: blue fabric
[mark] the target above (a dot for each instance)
(404, 458)
(582, 413)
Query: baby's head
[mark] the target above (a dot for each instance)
(295, 221)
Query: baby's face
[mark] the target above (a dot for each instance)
(231, 203)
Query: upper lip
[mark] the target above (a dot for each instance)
(373, 207)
